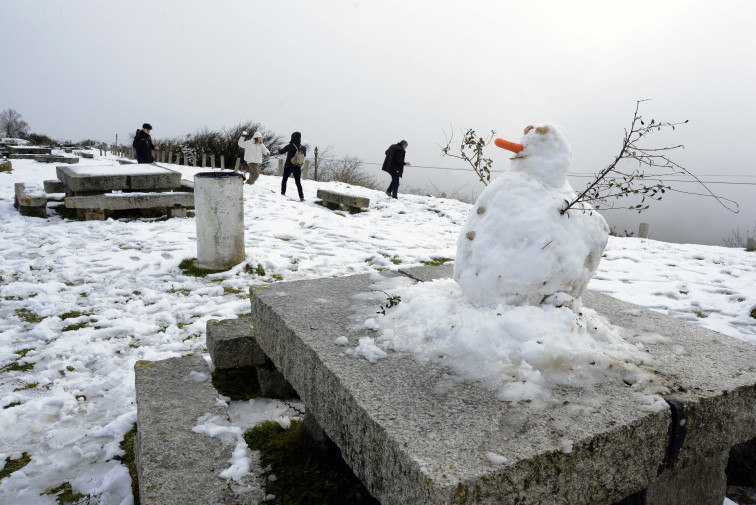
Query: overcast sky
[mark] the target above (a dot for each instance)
(361, 75)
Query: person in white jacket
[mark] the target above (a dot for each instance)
(254, 150)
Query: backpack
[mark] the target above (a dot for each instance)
(298, 157)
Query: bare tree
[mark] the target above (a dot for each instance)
(471, 151)
(736, 239)
(613, 183)
(347, 169)
(11, 124)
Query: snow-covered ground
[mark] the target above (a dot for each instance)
(81, 301)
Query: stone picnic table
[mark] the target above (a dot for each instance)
(97, 190)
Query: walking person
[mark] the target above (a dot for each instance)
(254, 150)
(143, 144)
(394, 164)
(295, 154)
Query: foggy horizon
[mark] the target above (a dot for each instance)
(360, 76)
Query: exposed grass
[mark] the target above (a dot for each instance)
(12, 465)
(277, 277)
(231, 291)
(28, 316)
(128, 459)
(64, 494)
(304, 474)
(188, 267)
(753, 313)
(701, 315)
(182, 291)
(17, 367)
(435, 262)
(237, 383)
(74, 327)
(259, 270)
(12, 404)
(74, 314)
(30, 385)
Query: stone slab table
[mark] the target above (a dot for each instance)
(412, 439)
(106, 178)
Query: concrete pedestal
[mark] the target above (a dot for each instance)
(219, 204)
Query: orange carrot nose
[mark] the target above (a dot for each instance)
(509, 146)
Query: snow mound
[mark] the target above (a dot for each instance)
(522, 352)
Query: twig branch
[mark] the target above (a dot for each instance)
(606, 186)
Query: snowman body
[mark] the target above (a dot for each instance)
(516, 247)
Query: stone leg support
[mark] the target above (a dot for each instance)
(702, 483)
(231, 344)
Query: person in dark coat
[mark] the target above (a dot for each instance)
(394, 164)
(143, 145)
(290, 168)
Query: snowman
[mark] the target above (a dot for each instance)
(517, 248)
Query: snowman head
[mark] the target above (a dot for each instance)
(543, 152)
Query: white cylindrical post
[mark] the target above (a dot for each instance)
(219, 207)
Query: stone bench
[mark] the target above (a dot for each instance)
(51, 158)
(54, 186)
(175, 203)
(231, 344)
(28, 150)
(411, 443)
(334, 200)
(30, 199)
(174, 464)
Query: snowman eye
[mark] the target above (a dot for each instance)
(528, 128)
(542, 129)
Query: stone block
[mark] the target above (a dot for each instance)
(54, 186)
(177, 212)
(410, 443)
(751, 244)
(175, 465)
(273, 384)
(701, 483)
(94, 215)
(102, 178)
(49, 158)
(6, 166)
(30, 199)
(125, 201)
(349, 201)
(29, 150)
(231, 343)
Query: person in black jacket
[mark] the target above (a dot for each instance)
(143, 144)
(394, 164)
(290, 149)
